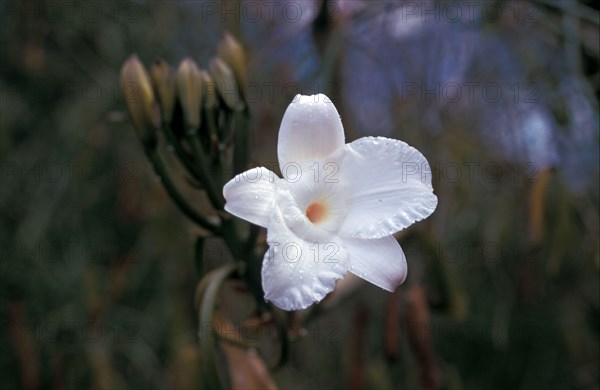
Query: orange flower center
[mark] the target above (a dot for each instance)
(315, 212)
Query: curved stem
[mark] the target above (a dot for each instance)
(185, 158)
(253, 236)
(575, 8)
(242, 140)
(211, 121)
(169, 186)
(240, 250)
(215, 196)
(199, 256)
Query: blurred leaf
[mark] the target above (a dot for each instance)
(208, 290)
(247, 370)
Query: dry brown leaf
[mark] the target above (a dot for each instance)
(247, 370)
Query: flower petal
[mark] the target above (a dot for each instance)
(380, 261)
(389, 187)
(294, 198)
(311, 129)
(251, 195)
(297, 273)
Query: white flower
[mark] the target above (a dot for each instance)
(336, 207)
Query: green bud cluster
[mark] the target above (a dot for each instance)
(188, 97)
(200, 113)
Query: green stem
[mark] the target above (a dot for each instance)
(247, 254)
(575, 8)
(169, 186)
(185, 158)
(251, 240)
(242, 140)
(227, 130)
(198, 256)
(215, 196)
(211, 120)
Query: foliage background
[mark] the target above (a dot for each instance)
(97, 274)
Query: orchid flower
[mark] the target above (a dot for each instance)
(335, 209)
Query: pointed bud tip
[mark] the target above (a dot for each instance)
(232, 52)
(229, 43)
(138, 95)
(163, 79)
(189, 91)
(209, 91)
(226, 84)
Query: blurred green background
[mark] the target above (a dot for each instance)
(97, 272)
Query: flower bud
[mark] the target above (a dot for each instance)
(209, 90)
(231, 51)
(189, 91)
(225, 83)
(163, 80)
(139, 98)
